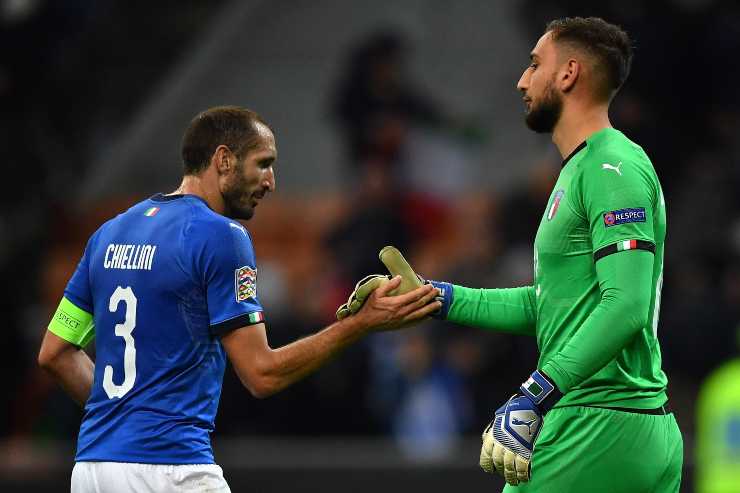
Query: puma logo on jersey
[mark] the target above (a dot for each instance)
(613, 168)
(240, 228)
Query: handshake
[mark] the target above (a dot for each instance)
(412, 303)
(398, 301)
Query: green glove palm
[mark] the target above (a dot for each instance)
(396, 265)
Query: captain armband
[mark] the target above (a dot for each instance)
(72, 324)
(623, 245)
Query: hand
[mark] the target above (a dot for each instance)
(362, 290)
(508, 441)
(384, 312)
(397, 266)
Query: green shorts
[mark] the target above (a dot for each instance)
(590, 450)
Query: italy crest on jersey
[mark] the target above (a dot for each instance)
(245, 283)
(555, 204)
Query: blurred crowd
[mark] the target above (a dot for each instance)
(408, 162)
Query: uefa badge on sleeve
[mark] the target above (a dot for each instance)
(245, 283)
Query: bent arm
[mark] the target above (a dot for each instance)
(70, 366)
(266, 371)
(625, 283)
(507, 310)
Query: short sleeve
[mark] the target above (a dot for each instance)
(228, 271)
(78, 288)
(618, 199)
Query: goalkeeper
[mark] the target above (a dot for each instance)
(593, 415)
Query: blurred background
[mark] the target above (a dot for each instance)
(397, 122)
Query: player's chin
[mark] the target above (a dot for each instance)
(242, 211)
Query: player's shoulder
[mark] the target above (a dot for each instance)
(116, 221)
(611, 155)
(610, 145)
(213, 227)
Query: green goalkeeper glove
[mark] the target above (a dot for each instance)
(362, 290)
(396, 265)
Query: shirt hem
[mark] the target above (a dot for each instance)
(185, 462)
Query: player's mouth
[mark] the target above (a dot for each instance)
(527, 102)
(256, 197)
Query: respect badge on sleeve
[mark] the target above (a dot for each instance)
(624, 216)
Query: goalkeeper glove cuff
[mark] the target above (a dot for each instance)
(445, 297)
(541, 390)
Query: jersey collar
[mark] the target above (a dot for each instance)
(578, 149)
(160, 197)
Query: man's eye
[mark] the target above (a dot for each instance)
(533, 65)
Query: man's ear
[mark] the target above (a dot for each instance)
(569, 74)
(222, 158)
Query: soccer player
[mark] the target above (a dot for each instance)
(168, 289)
(592, 417)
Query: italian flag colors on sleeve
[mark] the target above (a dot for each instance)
(626, 245)
(256, 317)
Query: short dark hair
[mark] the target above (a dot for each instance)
(232, 126)
(608, 43)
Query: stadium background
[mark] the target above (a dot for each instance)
(397, 123)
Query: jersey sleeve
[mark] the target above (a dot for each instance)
(618, 198)
(624, 283)
(228, 271)
(506, 310)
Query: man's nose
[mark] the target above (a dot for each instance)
(523, 83)
(269, 180)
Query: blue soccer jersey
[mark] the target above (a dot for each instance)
(162, 280)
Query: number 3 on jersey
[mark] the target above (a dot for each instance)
(129, 353)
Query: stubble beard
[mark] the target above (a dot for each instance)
(233, 195)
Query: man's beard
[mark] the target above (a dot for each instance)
(233, 195)
(543, 117)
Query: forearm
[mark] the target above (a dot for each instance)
(293, 362)
(507, 310)
(73, 370)
(625, 280)
(266, 371)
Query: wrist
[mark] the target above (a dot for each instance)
(353, 327)
(541, 390)
(445, 297)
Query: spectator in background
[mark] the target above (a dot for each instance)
(375, 101)
(386, 119)
(421, 393)
(372, 223)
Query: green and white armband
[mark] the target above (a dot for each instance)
(72, 324)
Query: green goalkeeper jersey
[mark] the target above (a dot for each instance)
(594, 305)
(607, 199)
